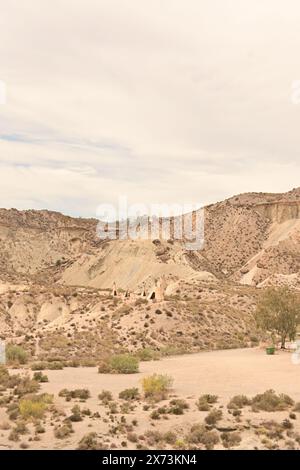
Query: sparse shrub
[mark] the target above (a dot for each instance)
(50, 365)
(200, 435)
(206, 401)
(287, 424)
(177, 406)
(213, 417)
(16, 354)
(76, 414)
(238, 401)
(104, 367)
(126, 407)
(119, 364)
(7, 380)
(148, 354)
(26, 386)
(38, 366)
(170, 437)
(21, 428)
(153, 438)
(124, 364)
(155, 414)
(271, 429)
(113, 407)
(79, 393)
(63, 431)
(231, 439)
(34, 406)
(269, 401)
(39, 377)
(73, 363)
(4, 376)
(29, 408)
(132, 437)
(157, 386)
(55, 365)
(130, 394)
(13, 411)
(39, 429)
(14, 436)
(297, 407)
(89, 442)
(105, 396)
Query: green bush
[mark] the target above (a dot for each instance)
(38, 366)
(155, 414)
(79, 393)
(39, 377)
(26, 386)
(14, 436)
(7, 380)
(105, 396)
(29, 408)
(104, 367)
(157, 386)
(89, 442)
(63, 431)
(51, 365)
(119, 364)
(177, 406)
(206, 401)
(269, 401)
(230, 439)
(55, 365)
(4, 375)
(170, 437)
(15, 354)
(34, 406)
(213, 416)
(200, 435)
(238, 402)
(130, 394)
(148, 354)
(124, 364)
(76, 414)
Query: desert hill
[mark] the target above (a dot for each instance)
(249, 239)
(56, 278)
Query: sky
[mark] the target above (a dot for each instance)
(161, 101)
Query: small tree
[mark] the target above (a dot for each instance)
(278, 311)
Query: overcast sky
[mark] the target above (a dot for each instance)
(161, 100)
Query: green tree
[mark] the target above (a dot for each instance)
(278, 312)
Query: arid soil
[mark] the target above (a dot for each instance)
(222, 373)
(59, 309)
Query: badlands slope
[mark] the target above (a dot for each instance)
(56, 278)
(250, 239)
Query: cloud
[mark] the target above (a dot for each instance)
(158, 100)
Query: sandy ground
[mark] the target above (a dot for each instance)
(224, 373)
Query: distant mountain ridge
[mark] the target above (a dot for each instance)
(251, 238)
